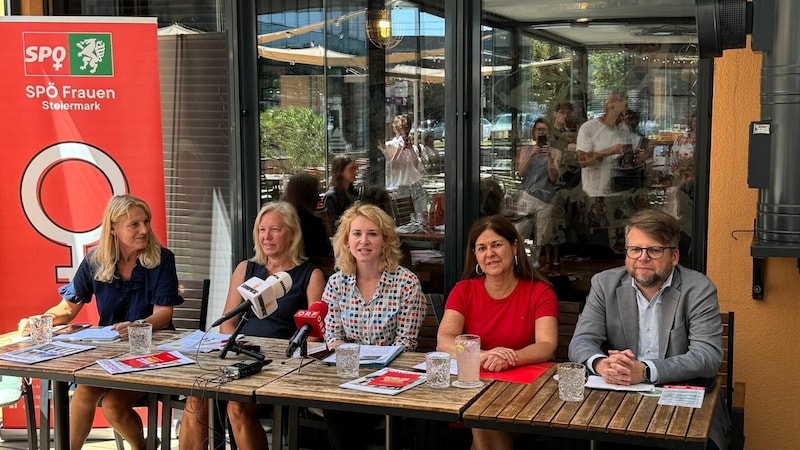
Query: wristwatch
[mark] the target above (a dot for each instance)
(647, 376)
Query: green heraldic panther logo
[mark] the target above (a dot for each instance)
(90, 54)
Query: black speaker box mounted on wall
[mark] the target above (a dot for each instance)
(722, 24)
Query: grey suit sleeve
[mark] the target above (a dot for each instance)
(695, 344)
(591, 333)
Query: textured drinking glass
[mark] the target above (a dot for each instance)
(41, 328)
(347, 356)
(571, 378)
(437, 369)
(468, 358)
(140, 336)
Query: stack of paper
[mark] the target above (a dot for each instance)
(596, 382)
(373, 355)
(197, 341)
(99, 335)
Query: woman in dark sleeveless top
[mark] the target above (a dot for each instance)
(278, 248)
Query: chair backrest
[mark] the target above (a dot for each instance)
(426, 342)
(10, 390)
(403, 209)
(568, 313)
(191, 314)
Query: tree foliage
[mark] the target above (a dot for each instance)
(296, 134)
(549, 83)
(607, 72)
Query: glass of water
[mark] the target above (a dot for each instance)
(571, 379)
(347, 356)
(41, 328)
(437, 369)
(140, 337)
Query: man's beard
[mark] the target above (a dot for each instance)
(654, 278)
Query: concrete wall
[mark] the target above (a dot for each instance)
(767, 330)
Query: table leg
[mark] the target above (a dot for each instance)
(45, 386)
(60, 415)
(394, 435)
(293, 428)
(277, 426)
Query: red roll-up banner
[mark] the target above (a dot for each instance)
(80, 122)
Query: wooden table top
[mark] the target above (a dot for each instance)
(624, 417)
(203, 377)
(58, 369)
(317, 385)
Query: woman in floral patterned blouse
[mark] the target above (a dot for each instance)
(371, 300)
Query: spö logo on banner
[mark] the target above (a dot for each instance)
(68, 54)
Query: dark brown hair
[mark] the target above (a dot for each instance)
(340, 162)
(302, 191)
(501, 226)
(657, 224)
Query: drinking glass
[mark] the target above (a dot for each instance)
(41, 328)
(468, 358)
(437, 369)
(347, 360)
(140, 337)
(571, 379)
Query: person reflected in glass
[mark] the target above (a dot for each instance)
(403, 175)
(132, 278)
(302, 192)
(506, 302)
(652, 321)
(372, 300)
(601, 141)
(341, 192)
(559, 131)
(538, 165)
(278, 248)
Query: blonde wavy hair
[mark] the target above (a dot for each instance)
(292, 222)
(390, 254)
(104, 258)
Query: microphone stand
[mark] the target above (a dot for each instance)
(231, 345)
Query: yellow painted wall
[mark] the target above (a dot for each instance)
(767, 331)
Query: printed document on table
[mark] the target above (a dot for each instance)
(145, 362)
(373, 355)
(689, 396)
(44, 352)
(386, 381)
(105, 334)
(198, 339)
(596, 382)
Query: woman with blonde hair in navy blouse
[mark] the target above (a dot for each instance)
(132, 278)
(372, 300)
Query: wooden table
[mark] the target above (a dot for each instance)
(317, 385)
(61, 371)
(628, 418)
(189, 379)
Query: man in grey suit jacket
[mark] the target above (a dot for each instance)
(652, 321)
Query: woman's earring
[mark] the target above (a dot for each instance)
(515, 260)
(478, 269)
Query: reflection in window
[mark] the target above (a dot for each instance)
(548, 143)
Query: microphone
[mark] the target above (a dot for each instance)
(310, 323)
(261, 296)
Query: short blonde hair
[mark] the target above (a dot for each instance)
(104, 258)
(292, 222)
(390, 254)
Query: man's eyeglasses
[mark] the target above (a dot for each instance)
(652, 252)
